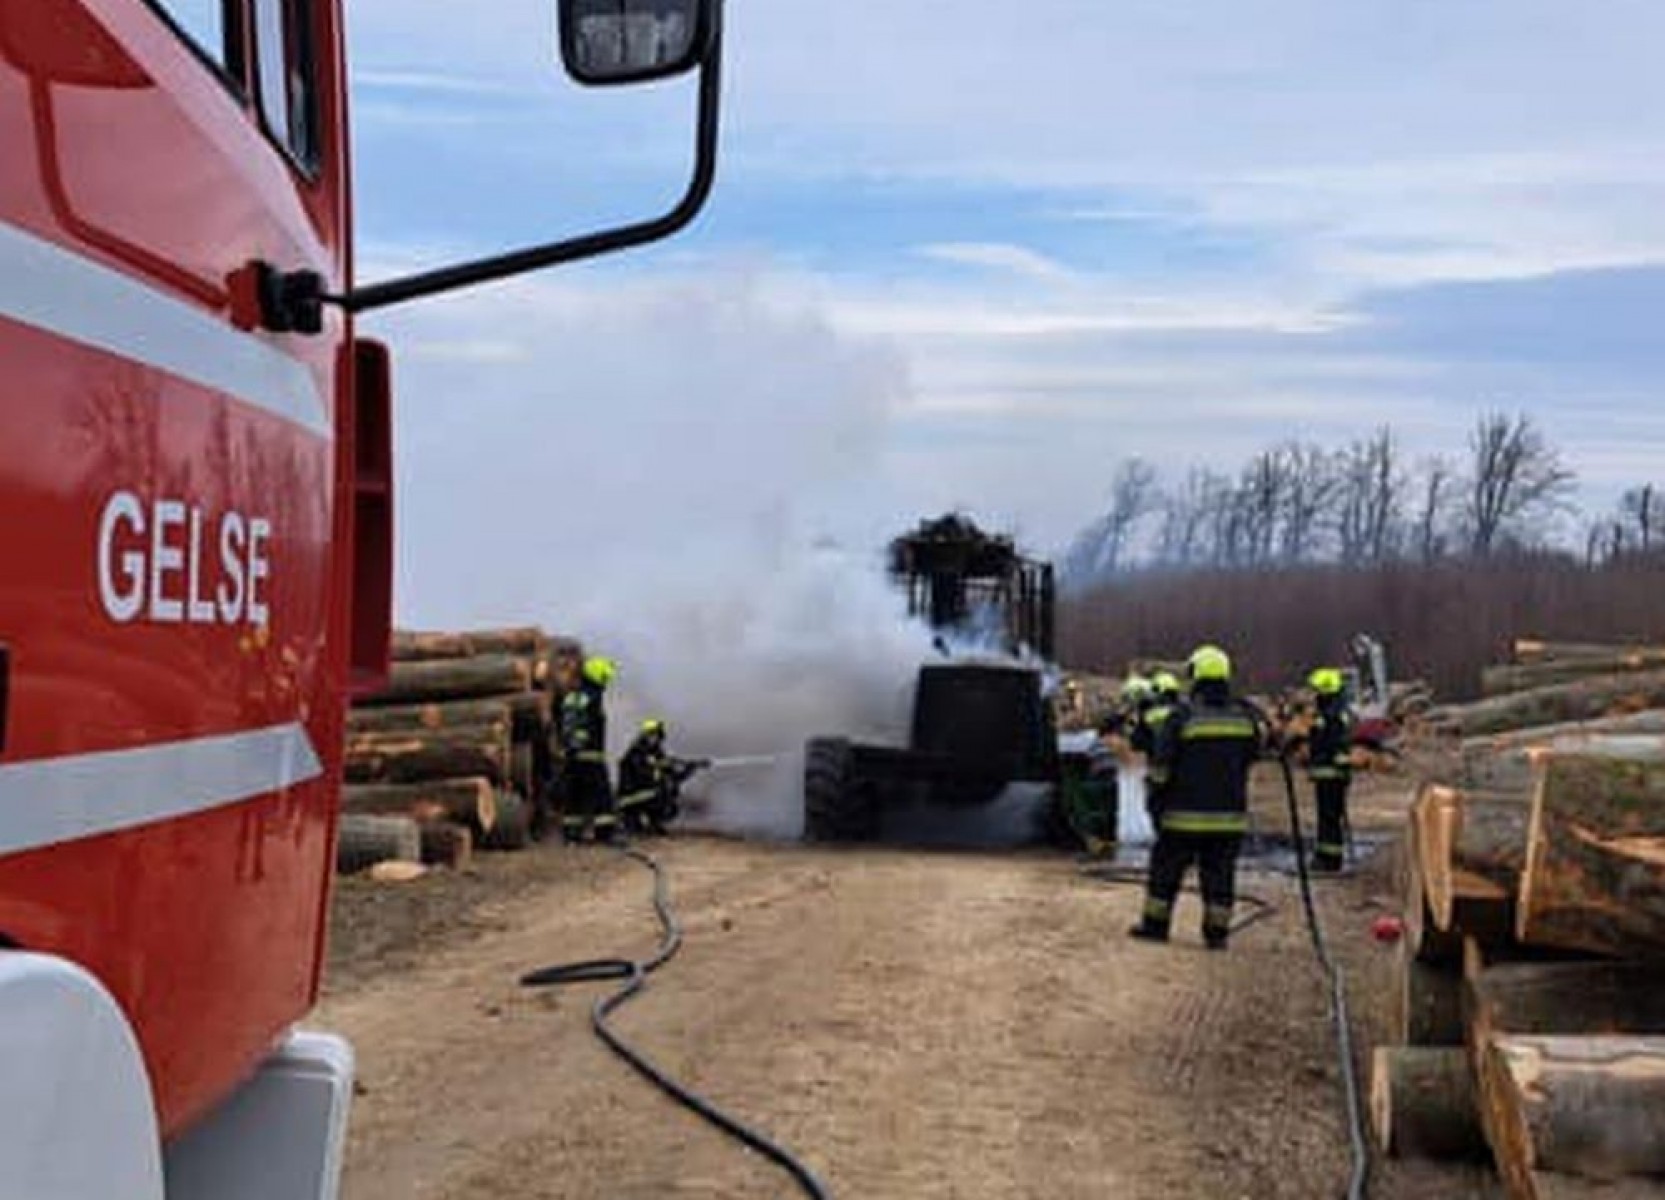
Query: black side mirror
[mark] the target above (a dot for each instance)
(631, 41)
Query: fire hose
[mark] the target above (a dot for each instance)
(635, 974)
(1358, 1146)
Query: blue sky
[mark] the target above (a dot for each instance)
(974, 253)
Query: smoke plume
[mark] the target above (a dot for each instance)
(682, 477)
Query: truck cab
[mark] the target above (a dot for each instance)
(196, 527)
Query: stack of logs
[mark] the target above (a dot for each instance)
(1530, 1020)
(453, 754)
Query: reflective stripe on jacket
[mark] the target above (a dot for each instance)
(1330, 743)
(583, 725)
(1207, 748)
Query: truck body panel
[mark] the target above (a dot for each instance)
(175, 534)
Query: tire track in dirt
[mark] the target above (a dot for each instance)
(916, 1025)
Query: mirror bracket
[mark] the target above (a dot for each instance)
(297, 298)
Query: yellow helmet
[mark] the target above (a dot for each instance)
(1165, 683)
(600, 671)
(653, 725)
(1209, 664)
(1326, 681)
(1136, 688)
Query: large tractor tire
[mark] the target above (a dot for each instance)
(836, 807)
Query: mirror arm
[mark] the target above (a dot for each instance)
(517, 262)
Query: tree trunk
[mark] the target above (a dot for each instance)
(566, 662)
(1503, 680)
(1595, 871)
(447, 844)
(1566, 997)
(527, 639)
(528, 712)
(1583, 700)
(1423, 1103)
(363, 840)
(471, 801)
(1428, 1003)
(409, 646)
(429, 755)
(1505, 762)
(523, 773)
(1466, 841)
(452, 679)
(1591, 1106)
(1528, 650)
(1424, 941)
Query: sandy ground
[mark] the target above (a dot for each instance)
(916, 1024)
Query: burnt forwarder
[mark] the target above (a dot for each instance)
(977, 725)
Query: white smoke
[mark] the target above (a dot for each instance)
(684, 477)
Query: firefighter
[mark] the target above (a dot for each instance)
(583, 728)
(651, 779)
(1205, 749)
(1124, 723)
(1330, 766)
(1165, 700)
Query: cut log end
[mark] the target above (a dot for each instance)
(1423, 1103)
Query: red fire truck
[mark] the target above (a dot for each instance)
(195, 553)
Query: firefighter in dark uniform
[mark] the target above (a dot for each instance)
(1330, 766)
(1165, 701)
(651, 779)
(1205, 750)
(583, 729)
(1124, 725)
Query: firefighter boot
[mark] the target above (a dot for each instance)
(1216, 928)
(1153, 924)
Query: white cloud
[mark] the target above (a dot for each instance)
(1335, 149)
(998, 256)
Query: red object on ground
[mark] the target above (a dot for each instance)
(1387, 929)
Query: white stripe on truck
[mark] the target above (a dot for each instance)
(50, 800)
(67, 294)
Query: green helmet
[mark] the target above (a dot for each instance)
(600, 671)
(1165, 684)
(1136, 688)
(1209, 664)
(1326, 681)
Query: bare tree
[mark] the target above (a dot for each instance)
(1604, 541)
(1640, 516)
(1259, 505)
(1438, 484)
(1180, 538)
(1309, 483)
(1370, 498)
(1515, 476)
(1101, 548)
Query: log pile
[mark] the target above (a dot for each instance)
(452, 756)
(1550, 684)
(1530, 1021)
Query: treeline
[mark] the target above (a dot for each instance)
(1441, 621)
(1367, 503)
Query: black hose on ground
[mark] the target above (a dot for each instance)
(1359, 1177)
(1359, 1147)
(635, 974)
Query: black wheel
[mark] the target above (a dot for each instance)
(836, 807)
(513, 828)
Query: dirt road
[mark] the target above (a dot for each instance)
(916, 1024)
